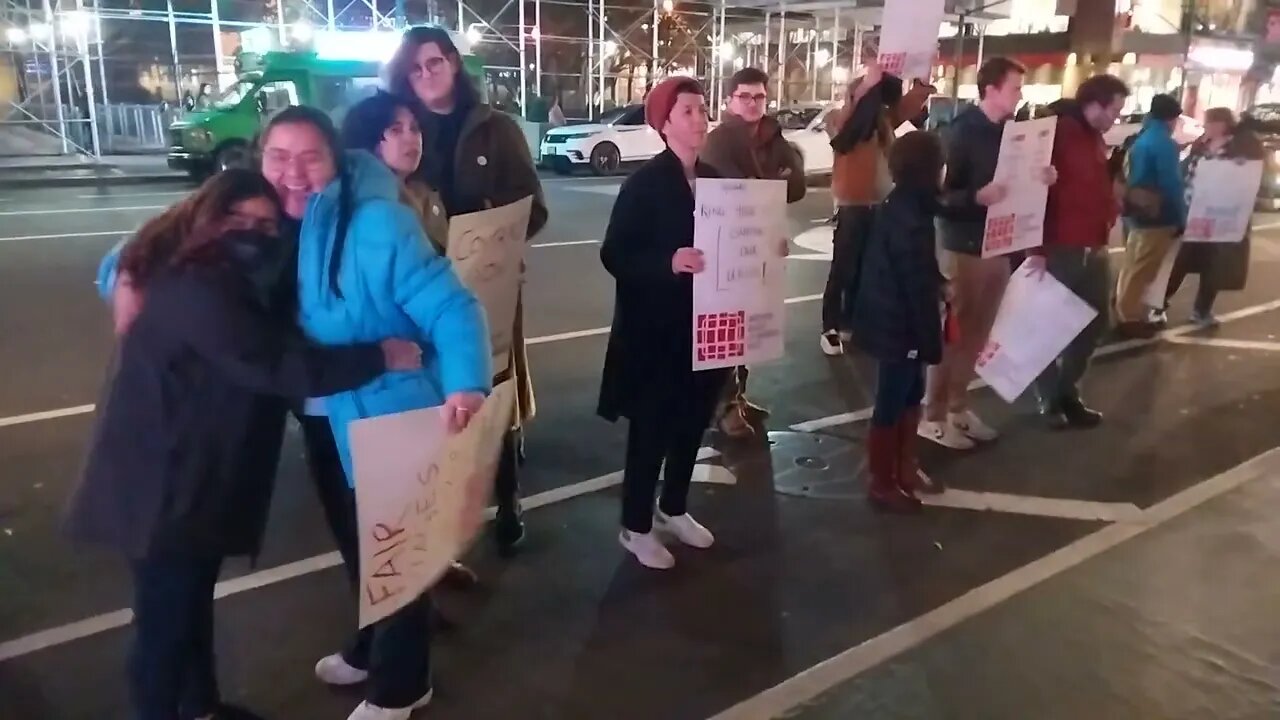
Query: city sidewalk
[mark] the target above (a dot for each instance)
(77, 170)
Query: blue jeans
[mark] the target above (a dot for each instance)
(899, 387)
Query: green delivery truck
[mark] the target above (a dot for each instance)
(220, 135)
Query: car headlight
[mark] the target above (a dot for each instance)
(200, 138)
(578, 136)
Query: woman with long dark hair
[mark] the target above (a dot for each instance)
(477, 158)
(183, 458)
(1221, 266)
(648, 368)
(366, 270)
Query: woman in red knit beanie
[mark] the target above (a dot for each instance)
(648, 370)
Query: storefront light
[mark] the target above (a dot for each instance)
(15, 35)
(1221, 59)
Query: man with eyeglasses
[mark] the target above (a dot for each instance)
(749, 144)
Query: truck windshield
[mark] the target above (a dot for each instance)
(234, 94)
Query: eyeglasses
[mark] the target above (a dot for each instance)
(432, 65)
(757, 98)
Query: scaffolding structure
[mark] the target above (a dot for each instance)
(613, 50)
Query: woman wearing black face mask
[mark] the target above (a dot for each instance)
(183, 458)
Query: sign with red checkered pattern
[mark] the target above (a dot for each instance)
(1222, 200)
(1016, 223)
(741, 228)
(909, 37)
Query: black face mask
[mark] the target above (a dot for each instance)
(260, 257)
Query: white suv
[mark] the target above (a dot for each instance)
(619, 136)
(805, 127)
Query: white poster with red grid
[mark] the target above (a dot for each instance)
(739, 298)
(1016, 223)
(909, 38)
(1223, 194)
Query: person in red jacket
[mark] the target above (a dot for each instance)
(1081, 210)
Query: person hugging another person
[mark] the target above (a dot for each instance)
(897, 319)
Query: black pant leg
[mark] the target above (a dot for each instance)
(506, 484)
(1206, 293)
(325, 466)
(200, 694)
(677, 475)
(646, 446)
(400, 656)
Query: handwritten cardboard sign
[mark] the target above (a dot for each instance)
(1223, 194)
(909, 38)
(738, 300)
(420, 496)
(487, 250)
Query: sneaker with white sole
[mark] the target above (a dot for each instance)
(648, 549)
(972, 426)
(685, 529)
(368, 711)
(335, 670)
(830, 344)
(945, 434)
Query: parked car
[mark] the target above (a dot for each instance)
(619, 136)
(1265, 121)
(805, 127)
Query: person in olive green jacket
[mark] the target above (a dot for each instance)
(749, 144)
(476, 158)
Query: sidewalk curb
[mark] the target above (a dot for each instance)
(41, 182)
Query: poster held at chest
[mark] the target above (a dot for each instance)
(1222, 200)
(1037, 319)
(487, 250)
(739, 299)
(909, 38)
(1016, 223)
(420, 496)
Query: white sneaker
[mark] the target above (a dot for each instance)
(830, 344)
(368, 711)
(685, 529)
(333, 670)
(648, 549)
(945, 434)
(972, 426)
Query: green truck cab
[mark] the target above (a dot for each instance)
(220, 134)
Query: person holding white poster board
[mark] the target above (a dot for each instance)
(1079, 217)
(1016, 223)
(970, 188)
(909, 37)
(649, 375)
(1222, 173)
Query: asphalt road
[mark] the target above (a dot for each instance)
(572, 628)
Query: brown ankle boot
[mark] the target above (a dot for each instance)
(910, 478)
(883, 490)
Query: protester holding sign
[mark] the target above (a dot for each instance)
(648, 368)
(972, 145)
(896, 319)
(366, 271)
(183, 458)
(749, 144)
(477, 158)
(1221, 266)
(861, 131)
(1080, 213)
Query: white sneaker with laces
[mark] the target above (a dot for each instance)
(648, 549)
(685, 529)
(333, 670)
(972, 426)
(945, 434)
(830, 344)
(368, 711)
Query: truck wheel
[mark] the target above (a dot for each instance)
(605, 159)
(232, 155)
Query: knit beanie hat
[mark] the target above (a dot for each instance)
(662, 98)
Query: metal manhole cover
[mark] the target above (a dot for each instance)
(816, 466)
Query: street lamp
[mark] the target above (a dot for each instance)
(303, 32)
(474, 34)
(668, 6)
(610, 48)
(40, 31)
(15, 35)
(823, 56)
(727, 51)
(77, 23)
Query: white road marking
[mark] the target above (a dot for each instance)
(809, 684)
(1104, 351)
(1030, 505)
(1228, 343)
(567, 243)
(108, 196)
(61, 211)
(59, 236)
(46, 415)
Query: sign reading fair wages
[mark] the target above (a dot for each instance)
(909, 37)
(1037, 318)
(420, 496)
(487, 250)
(739, 299)
(1223, 194)
(1017, 222)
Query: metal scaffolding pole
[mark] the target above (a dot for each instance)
(603, 18)
(218, 57)
(461, 12)
(813, 60)
(82, 46)
(537, 46)
(591, 59)
(835, 54)
(53, 69)
(524, 64)
(653, 54)
(173, 52)
(720, 65)
(782, 58)
(102, 70)
(279, 19)
(768, 19)
(982, 44)
(332, 21)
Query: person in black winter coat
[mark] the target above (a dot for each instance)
(648, 371)
(183, 456)
(897, 318)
